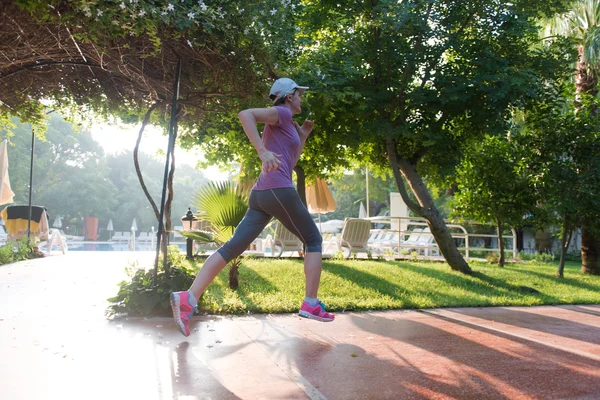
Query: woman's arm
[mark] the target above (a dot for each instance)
(249, 118)
(304, 132)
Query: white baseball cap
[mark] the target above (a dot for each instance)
(284, 86)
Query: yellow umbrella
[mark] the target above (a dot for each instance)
(319, 199)
(6, 194)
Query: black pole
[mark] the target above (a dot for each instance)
(30, 183)
(172, 123)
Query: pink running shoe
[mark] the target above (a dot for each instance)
(182, 311)
(317, 312)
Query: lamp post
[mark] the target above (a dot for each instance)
(187, 221)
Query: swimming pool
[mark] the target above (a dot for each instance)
(107, 246)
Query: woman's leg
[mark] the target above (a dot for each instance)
(312, 270)
(286, 206)
(251, 226)
(185, 303)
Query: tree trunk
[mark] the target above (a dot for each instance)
(426, 208)
(136, 162)
(585, 82)
(500, 242)
(564, 244)
(301, 183)
(590, 244)
(234, 273)
(590, 251)
(168, 204)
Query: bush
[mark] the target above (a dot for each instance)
(141, 298)
(493, 258)
(573, 255)
(23, 250)
(543, 258)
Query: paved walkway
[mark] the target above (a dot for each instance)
(55, 343)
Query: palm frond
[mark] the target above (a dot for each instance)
(591, 48)
(200, 236)
(583, 17)
(223, 205)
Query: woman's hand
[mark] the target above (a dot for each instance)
(305, 129)
(270, 160)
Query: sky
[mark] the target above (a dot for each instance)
(115, 139)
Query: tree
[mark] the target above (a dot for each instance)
(121, 59)
(581, 23)
(350, 189)
(492, 187)
(562, 164)
(407, 83)
(131, 202)
(70, 174)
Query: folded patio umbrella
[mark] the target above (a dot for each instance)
(319, 199)
(6, 194)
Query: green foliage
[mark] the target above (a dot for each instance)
(423, 73)
(561, 158)
(349, 189)
(491, 185)
(543, 258)
(175, 256)
(277, 286)
(73, 178)
(228, 48)
(24, 249)
(143, 297)
(493, 258)
(139, 297)
(223, 206)
(580, 23)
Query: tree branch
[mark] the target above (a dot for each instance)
(28, 66)
(136, 159)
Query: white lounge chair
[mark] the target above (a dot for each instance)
(284, 240)
(355, 236)
(118, 237)
(386, 241)
(3, 235)
(422, 241)
(55, 239)
(143, 237)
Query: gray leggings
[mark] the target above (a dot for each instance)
(285, 205)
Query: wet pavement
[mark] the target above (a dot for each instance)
(55, 343)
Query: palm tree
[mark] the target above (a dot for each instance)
(582, 24)
(223, 206)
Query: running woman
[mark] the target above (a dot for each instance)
(273, 195)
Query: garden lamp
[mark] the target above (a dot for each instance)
(187, 222)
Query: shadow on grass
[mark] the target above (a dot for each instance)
(249, 282)
(393, 290)
(491, 289)
(555, 279)
(519, 289)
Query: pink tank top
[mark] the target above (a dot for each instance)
(281, 138)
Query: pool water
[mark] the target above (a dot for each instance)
(97, 246)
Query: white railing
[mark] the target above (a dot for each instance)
(403, 223)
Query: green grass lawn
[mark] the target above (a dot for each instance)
(277, 286)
